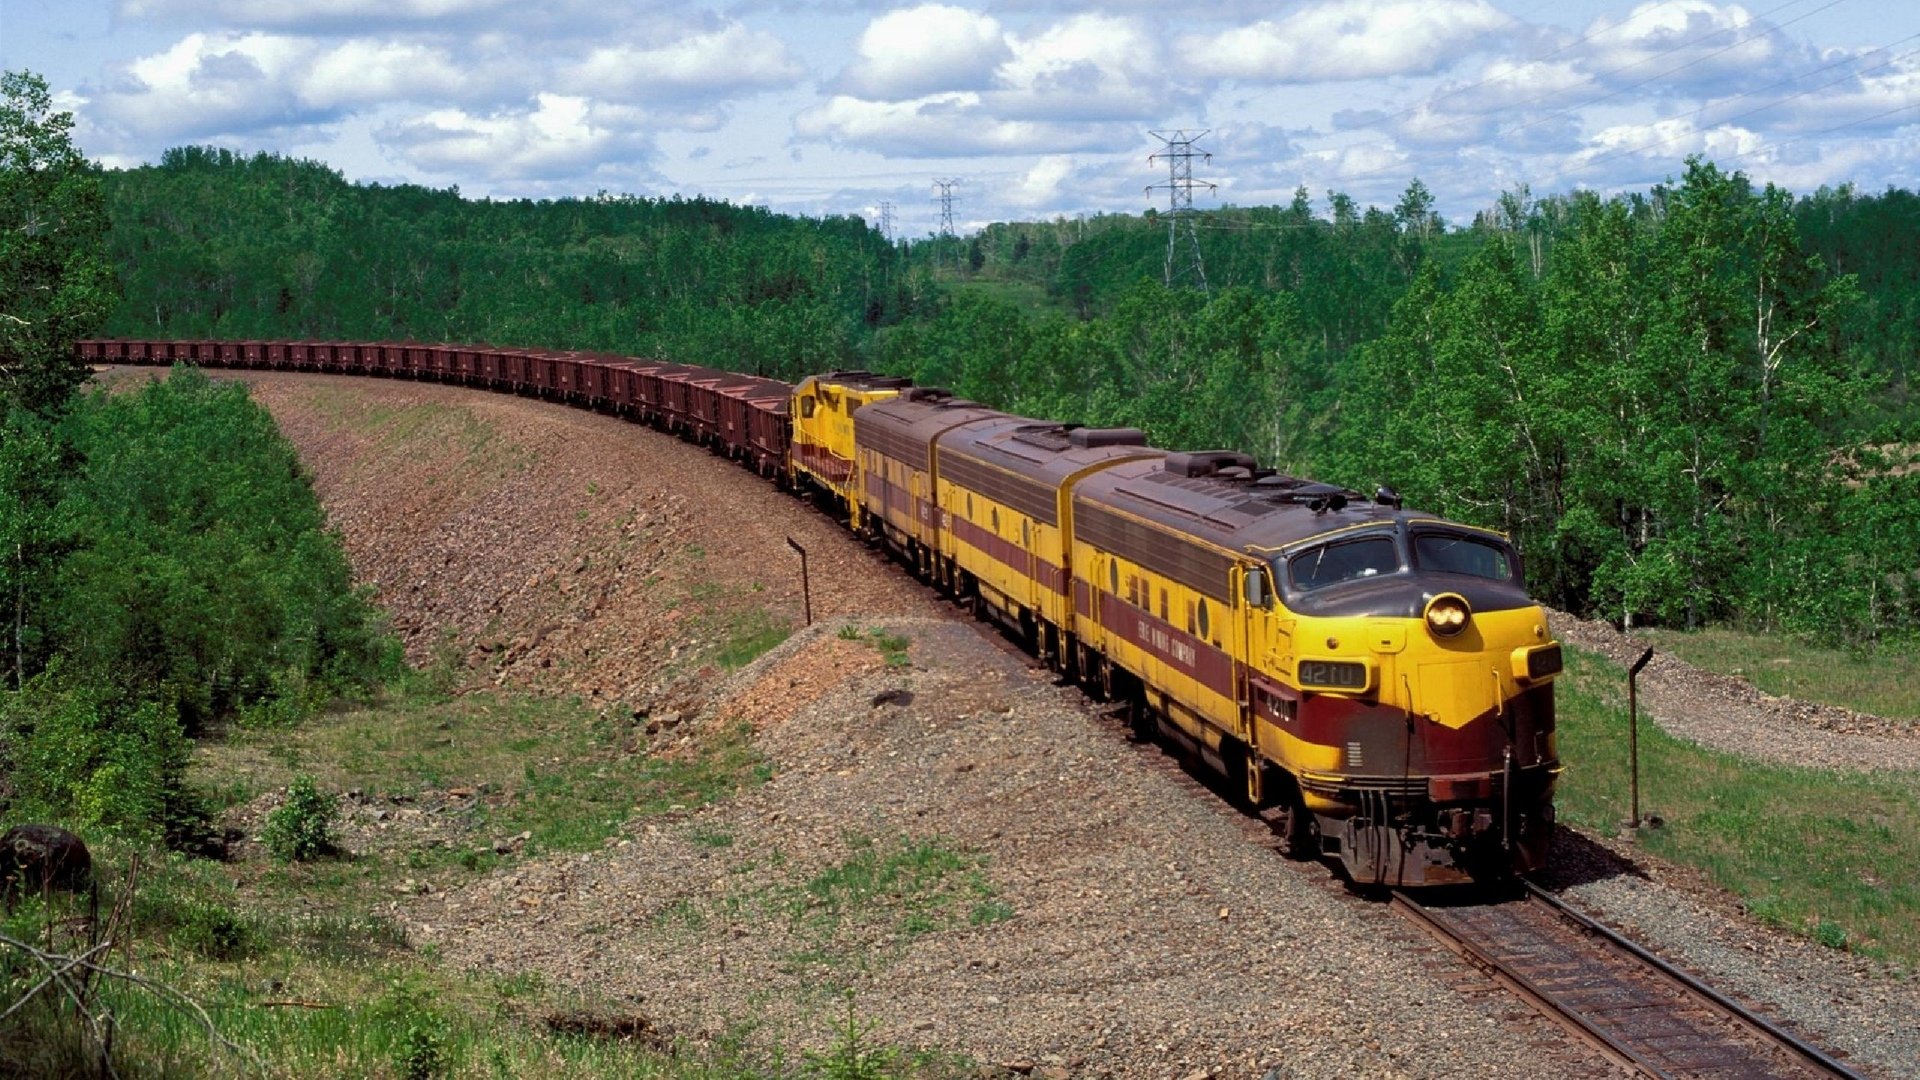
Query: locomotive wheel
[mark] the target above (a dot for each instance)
(1292, 826)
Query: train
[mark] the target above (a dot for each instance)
(1372, 680)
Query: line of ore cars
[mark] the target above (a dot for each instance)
(1374, 679)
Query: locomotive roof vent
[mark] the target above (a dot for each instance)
(1386, 496)
(1090, 438)
(1234, 472)
(931, 394)
(1197, 463)
(1280, 482)
(866, 380)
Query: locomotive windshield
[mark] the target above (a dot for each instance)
(1344, 560)
(1452, 553)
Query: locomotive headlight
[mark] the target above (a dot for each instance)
(1448, 614)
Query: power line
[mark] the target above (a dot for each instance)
(1179, 154)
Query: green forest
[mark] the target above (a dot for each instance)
(1690, 404)
(164, 563)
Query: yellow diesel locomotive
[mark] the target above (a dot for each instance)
(1374, 679)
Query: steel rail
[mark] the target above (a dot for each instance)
(1526, 989)
(1810, 1055)
(1583, 1025)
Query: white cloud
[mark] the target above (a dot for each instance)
(1669, 140)
(359, 15)
(1089, 67)
(1507, 84)
(1884, 100)
(1084, 83)
(1347, 39)
(213, 84)
(927, 49)
(1688, 43)
(941, 125)
(727, 61)
(1042, 185)
(559, 136)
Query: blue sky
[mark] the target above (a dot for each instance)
(1041, 108)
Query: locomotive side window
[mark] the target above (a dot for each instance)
(806, 408)
(1330, 564)
(1449, 553)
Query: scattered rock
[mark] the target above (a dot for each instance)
(37, 857)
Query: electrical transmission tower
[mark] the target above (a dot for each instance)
(945, 199)
(886, 221)
(1179, 152)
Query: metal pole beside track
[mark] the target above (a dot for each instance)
(1633, 727)
(806, 590)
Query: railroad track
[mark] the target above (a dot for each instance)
(1634, 1008)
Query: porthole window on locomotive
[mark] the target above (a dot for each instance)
(1200, 615)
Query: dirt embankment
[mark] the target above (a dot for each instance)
(561, 550)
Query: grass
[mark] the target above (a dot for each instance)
(301, 964)
(553, 769)
(915, 885)
(893, 647)
(397, 430)
(732, 629)
(855, 912)
(1885, 682)
(748, 635)
(1832, 855)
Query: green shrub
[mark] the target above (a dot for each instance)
(854, 1054)
(301, 829)
(416, 1031)
(213, 931)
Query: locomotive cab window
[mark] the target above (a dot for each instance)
(1345, 560)
(806, 408)
(1451, 553)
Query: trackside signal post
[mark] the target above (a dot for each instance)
(806, 591)
(1633, 728)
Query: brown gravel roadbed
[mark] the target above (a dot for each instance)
(1147, 930)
